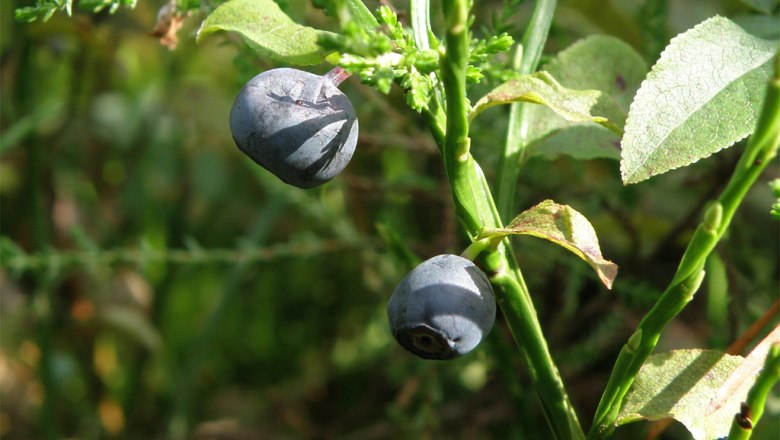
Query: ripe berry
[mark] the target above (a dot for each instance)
(296, 124)
(443, 308)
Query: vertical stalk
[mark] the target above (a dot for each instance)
(512, 296)
(476, 210)
(761, 149)
(457, 157)
(525, 62)
(419, 14)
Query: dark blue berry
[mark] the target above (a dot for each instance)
(443, 308)
(296, 124)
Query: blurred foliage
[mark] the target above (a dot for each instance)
(155, 283)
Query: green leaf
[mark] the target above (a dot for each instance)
(600, 63)
(266, 29)
(703, 95)
(473, 195)
(348, 11)
(562, 225)
(542, 88)
(361, 15)
(43, 9)
(680, 384)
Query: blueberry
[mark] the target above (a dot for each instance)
(297, 125)
(443, 308)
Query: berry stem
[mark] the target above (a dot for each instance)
(337, 76)
(474, 249)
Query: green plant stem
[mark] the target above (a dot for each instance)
(476, 210)
(521, 317)
(512, 156)
(525, 62)
(536, 35)
(457, 158)
(761, 149)
(419, 13)
(756, 398)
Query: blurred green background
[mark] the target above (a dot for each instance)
(155, 283)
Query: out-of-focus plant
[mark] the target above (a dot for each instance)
(712, 86)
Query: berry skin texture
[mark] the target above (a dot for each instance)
(297, 125)
(443, 308)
